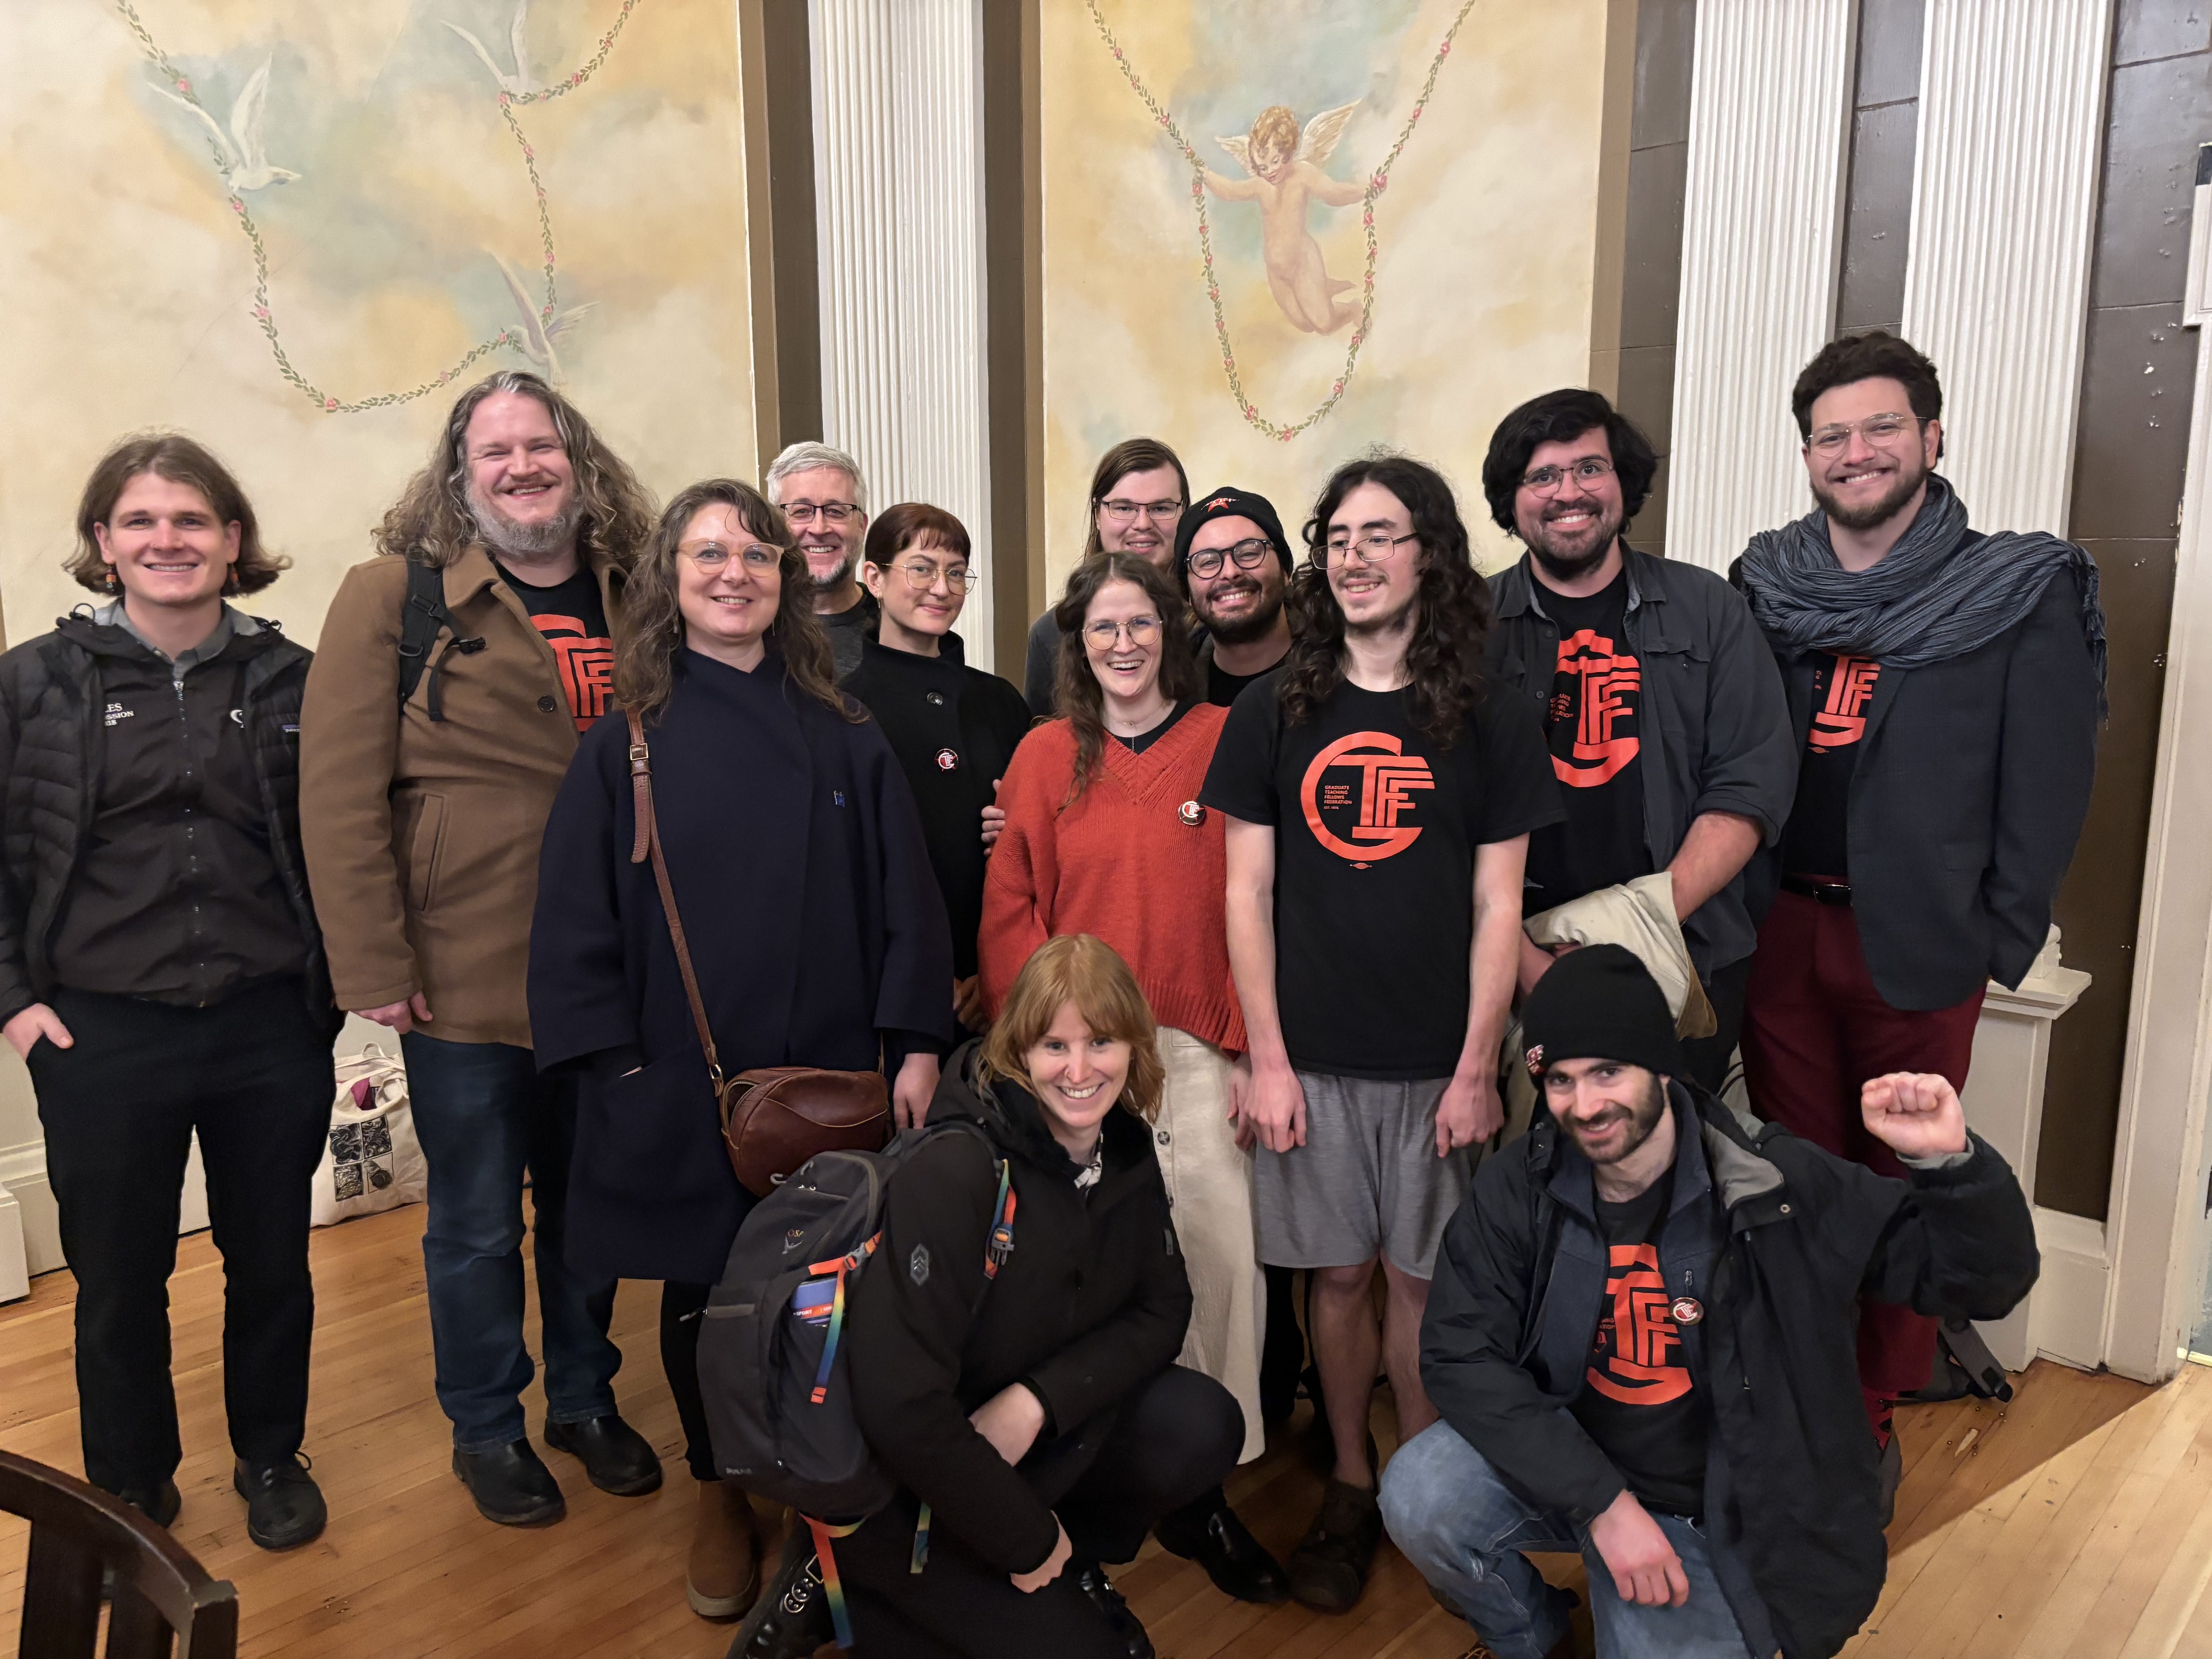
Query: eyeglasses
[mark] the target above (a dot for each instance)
(922, 575)
(1120, 511)
(1247, 555)
(1105, 635)
(1880, 430)
(1547, 480)
(1370, 549)
(712, 558)
(828, 512)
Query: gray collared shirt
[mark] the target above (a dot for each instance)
(230, 623)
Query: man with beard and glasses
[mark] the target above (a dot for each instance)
(825, 500)
(1379, 798)
(1946, 686)
(1234, 563)
(455, 672)
(1660, 700)
(1640, 1334)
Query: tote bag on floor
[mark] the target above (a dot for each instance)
(371, 1161)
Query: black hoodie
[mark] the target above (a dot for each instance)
(1092, 1301)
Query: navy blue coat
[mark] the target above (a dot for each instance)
(815, 926)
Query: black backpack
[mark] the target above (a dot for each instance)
(423, 617)
(772, 1371)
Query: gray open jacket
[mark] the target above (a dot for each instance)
(1714, 724)
(1778, 1240)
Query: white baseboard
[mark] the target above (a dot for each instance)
(2067, 1311)
(24, 1177)
(14, 1267)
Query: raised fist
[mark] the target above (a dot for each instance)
(1914, 1113)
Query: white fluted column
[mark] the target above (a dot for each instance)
(1770, 112)
(898, 191)
(2012, 102)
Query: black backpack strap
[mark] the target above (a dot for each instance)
(423, 617)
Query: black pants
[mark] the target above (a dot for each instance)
(1709, 1057)
(1176, 1435)
(253, 1075)
(679, 1359)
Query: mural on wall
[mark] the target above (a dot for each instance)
(1278, 232)
(297, 231)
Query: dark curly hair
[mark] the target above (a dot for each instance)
(649, 638)
(179, 459)
(1876, 354)
(1076, 696)
(1554, 418)
(1444, 657)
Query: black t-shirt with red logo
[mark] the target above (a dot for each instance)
(1591, 725)
(1375, 831)
(1818, 840)
(574, 620)
(1639, 1400)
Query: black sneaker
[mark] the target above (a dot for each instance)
(1209, 1532)
(1098, 1589)
(283, 1506)
(1328, 1569)
(792, 1618)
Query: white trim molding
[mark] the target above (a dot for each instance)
(2005, 198)
(1762, 216)
(15, 1260)
(898, 192)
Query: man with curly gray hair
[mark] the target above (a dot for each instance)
(825, 500)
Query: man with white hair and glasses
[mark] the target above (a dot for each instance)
(822, 494)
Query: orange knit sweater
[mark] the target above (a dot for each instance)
(1119, 863)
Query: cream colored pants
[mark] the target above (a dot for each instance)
(1209, 1185)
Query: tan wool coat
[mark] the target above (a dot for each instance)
(421, 837)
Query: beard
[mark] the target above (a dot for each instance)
(1910, 477)
(505, 535)
(1642, 1115)
(838, 577)
(1253, 625)
(1566, 560)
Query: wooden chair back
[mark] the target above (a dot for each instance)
(164, 1603)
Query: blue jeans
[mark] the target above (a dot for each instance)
(1453, 1517)
(485, 1117)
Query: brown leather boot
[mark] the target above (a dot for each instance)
(723, 1576)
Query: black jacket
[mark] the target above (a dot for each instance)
(1971, 787)
(813, 923)
(1092, 1301)
(51, 747)
(1715, 729)
(1776, 1238)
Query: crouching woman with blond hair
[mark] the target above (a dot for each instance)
(1038, 1413)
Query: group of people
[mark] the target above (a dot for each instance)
(1305, 912)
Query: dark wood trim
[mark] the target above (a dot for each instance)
(794, 326)
(1013, 267)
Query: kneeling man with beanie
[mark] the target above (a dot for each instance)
(1641, 1339)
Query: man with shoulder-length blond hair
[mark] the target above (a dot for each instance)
(455, 671)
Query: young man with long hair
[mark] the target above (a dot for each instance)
(1380, 799)
(456, 670)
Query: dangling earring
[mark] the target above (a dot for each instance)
(114, 582)
(230, 582)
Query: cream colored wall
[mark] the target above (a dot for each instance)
(1486, 237)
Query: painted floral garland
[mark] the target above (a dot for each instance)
(264, 313)
(1377, 182)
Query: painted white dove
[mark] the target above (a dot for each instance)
(521, 83)
(245, 162)
(536, 335)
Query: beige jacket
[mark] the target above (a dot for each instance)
(421, 837)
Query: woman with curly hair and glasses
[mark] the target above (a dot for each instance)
(160, 969)
(798, 867)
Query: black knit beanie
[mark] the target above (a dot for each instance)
(1598, 1002)
(1227, 502)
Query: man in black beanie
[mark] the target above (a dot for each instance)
(1234, 562)
(1640, 1338)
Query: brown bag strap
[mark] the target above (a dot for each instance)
(648, 842)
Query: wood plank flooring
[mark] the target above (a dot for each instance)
(2076, 1520)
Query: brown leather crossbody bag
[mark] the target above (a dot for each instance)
(774, 1117)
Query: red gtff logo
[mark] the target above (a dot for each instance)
(1842, 720)
(1609, 681)
(1388, 779)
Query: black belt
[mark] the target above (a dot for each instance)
(1836, 893)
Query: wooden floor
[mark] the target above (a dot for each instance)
(2076, 1521)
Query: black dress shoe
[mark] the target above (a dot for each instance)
(159, 1504)
(792, 1618)
(511, 1485)
(1098, 1589)
(284, 1508)
(1212, 1536)
(617, 1457)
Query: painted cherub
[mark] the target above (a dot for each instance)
(1285, 166)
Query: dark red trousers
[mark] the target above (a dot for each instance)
(1815, 1028)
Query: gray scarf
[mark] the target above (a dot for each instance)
(1939, 593)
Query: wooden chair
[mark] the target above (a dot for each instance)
(161, 1594)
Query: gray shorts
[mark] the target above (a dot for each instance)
(1367, 1182)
